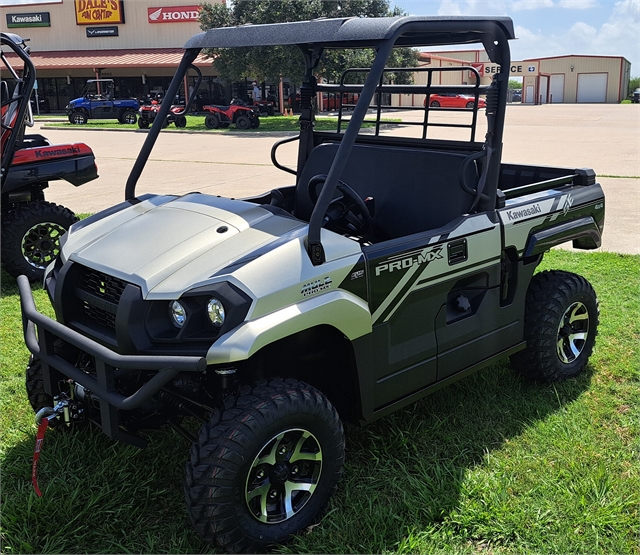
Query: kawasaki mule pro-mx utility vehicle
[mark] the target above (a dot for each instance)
(390, 263)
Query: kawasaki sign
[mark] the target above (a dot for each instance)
(40, 19)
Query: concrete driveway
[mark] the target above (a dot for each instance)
(603, 137)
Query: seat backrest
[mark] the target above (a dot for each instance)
(413, 190)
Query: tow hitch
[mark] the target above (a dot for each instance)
(66, 411)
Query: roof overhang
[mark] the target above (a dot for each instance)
(133, 58)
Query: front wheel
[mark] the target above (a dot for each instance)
(31, 237)
(470, 104)
(128, 118)
(181, 122)
(255, 123)
(243, 122)
(265, 467)
(561, 323)
(143, 123)
(78, 118)
(435, 104)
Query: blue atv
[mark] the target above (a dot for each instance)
(98, 102)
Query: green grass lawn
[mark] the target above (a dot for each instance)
(196, 123)
(490, 465)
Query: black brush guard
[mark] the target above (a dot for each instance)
(101, 385)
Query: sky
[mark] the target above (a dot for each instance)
(554, 27)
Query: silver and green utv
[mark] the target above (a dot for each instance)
(395, 259)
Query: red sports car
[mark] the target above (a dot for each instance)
(454, 101)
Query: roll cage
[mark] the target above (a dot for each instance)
(382, 35)
(15, 106)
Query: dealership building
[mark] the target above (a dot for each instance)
(560, 79)
(138, 43)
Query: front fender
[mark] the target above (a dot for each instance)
(345, 312)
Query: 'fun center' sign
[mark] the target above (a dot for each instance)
(98, 12)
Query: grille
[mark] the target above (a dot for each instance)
(100, 294)
(101, 285)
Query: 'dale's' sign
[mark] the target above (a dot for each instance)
(96, 12)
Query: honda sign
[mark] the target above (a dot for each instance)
(173, 14)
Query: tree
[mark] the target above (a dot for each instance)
(269, 63)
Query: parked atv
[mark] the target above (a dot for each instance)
(98, 102)
(148, 112)
(238, 113)
(265, 107)
(32, 227)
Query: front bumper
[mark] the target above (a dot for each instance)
(107, 361)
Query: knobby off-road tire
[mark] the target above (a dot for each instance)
(243, 122)
(265, 466)
(560, 327)
(143, 123)
(128, 118)
(31, 237)
(78, 118)
(181, 122)
(212, 122)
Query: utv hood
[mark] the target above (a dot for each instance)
(167, 245)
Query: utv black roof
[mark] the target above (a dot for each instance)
(356, 32)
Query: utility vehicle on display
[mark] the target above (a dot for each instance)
(32, 227)
(148, 113)
(98, 101)
(237, 113)
(392, 261)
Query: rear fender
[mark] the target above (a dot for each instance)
(584, 232)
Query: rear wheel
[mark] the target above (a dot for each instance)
(470, 104)
(31, 237)
(561, 323)
(212, 122)
(78, 118)
(435, 104)
(243, 122)
(265, 467)
(181, 122)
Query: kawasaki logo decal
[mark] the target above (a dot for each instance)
(58, 152)
(521, 213)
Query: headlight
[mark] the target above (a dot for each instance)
(215, 311)
(178, 314)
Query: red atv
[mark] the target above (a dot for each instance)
(147, 115)
(238, 113)
(32, 227)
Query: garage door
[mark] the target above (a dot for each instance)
(592, 87)
(556, 88)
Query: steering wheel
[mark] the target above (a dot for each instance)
(347, 213)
